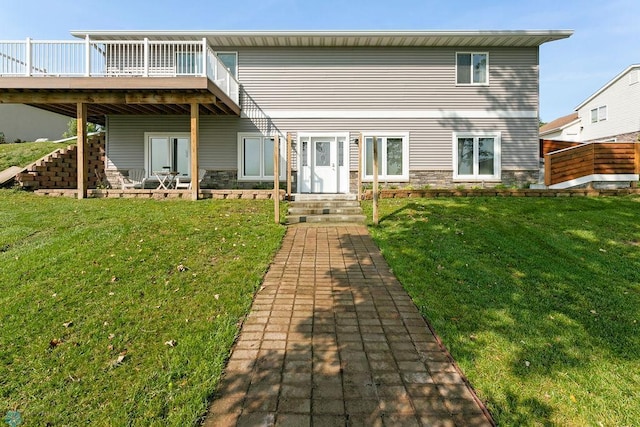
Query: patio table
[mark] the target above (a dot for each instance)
(166, 179)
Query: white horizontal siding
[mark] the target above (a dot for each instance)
(623, 111)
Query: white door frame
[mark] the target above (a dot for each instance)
(306, 182)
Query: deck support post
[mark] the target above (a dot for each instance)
(289, 166)
(81, 117)
(375, 181)
(276, 178)
(195, 135)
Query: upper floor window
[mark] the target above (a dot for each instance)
(472, 68)
(230, 60)
(599, 114)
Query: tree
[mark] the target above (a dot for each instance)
(72, 128)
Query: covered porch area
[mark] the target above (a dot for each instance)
(92, 99)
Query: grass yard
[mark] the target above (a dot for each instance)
(538, 300)
(25, 153)
(122, 311)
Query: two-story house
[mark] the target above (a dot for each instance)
(613, 112)
(445, 107)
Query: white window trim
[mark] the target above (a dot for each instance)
(497, 159)
(472, 83)
(261, 177)
(599, 118)
(147, 138)
(382, 156)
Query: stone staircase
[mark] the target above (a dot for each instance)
(325, 209)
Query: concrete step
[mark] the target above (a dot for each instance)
(538, 186)
(356, 210)
(329, 218)
(322, 204)
(323, 197)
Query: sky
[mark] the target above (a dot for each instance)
(606, 39)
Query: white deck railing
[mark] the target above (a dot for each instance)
(115, 58)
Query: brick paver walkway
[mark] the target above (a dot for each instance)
(333, 340)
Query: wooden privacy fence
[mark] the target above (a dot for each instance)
(549, 145)
(595, 159)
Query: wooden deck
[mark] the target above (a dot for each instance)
(118, 95)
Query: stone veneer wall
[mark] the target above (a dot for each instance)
(59, 169)
(623, 137)
(444, 179)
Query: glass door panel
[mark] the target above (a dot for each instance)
(159, 155)
(181, 156)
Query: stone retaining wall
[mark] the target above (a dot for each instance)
(398, 194)
(163, 194)
(58, 170)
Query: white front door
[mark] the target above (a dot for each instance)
(323, 165)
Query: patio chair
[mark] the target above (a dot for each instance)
(187, 184)
(135, 179)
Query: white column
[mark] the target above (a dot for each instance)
(87, 54)
(28, 56)
(145, 73)
(204, 57)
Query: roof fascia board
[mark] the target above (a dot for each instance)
(606, 86)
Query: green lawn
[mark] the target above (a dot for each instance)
(538, 300)
(25, 153)
(122, 312)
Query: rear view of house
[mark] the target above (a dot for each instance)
(445, 108)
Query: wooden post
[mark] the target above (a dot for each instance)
(636, 152)
(289, 166)
(195, 136)
(276, 179)
(547, 169)
(82, 150)
(375, 180)
(361, 147)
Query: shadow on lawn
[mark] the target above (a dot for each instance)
(554, 295)
(341, 363)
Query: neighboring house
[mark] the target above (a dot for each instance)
(613, 112)
(565, 128)
(24, 123)
(446, 107)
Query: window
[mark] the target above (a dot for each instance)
(393, 157)
(476, 156)
(472, 68)
(599, 114)
(255, 157)
(230, 60)
(167, 153)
